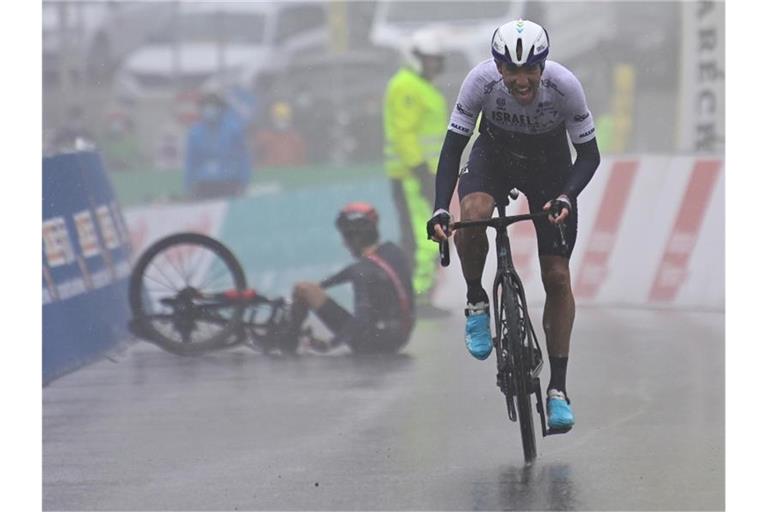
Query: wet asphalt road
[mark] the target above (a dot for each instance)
(425, 430)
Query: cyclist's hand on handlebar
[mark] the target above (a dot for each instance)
(559, 209)
(439, 226)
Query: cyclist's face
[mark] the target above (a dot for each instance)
(522, 82)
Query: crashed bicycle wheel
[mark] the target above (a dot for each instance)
(175, 294)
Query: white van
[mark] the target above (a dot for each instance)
(575, 28)
(581, 35)
(229, 42)
(470, 24)
(96, 36)
(468, 27)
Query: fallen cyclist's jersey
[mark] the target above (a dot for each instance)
(531, 130)
(383, 294)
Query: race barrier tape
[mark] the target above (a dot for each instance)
(651, 233)
(86, 264)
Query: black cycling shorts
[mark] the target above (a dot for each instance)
(369, 339)
(333, 315)
(495, 172)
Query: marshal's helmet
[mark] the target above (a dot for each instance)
(425, 42)
(520, 43)
(358, 223)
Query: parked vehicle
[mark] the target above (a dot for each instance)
(224, 42)
(90, 39)
(470, 24)
(467, 26)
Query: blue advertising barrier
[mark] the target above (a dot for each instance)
(86, 251)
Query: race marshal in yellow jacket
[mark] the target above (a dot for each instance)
(415, 120)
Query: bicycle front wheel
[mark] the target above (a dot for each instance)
(172, 294)
(514, 336)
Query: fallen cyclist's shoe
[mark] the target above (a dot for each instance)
(478, 331)
(559, 413)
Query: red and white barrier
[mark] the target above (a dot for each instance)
(148, 224)
(651, 233)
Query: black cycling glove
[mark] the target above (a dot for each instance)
(558, 204)
(441, 217)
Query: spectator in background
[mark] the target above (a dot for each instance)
(415, 117)
(73, 134)
(217, 162)
(167, 154)
(120, 146)
(281, 145)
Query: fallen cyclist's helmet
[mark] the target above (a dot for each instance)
(359, 220)
(520, 43)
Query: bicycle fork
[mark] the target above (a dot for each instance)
(534, 387)
(505, 376)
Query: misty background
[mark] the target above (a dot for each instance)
(141, 429)
(134, 71)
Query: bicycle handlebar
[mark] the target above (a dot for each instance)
(496, 223)
(445, 253)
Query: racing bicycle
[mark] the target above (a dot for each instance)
(518, 354)
(188, 295)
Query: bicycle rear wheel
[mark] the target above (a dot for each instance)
(171, 294)
(513, 337)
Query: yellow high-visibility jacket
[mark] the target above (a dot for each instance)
(415, 122)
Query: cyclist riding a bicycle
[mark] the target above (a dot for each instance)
(528, 105)
(383, 314)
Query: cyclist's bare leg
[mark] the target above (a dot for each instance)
(472, 243)
(559, 313)
(306, 297)
(310, 294)
(559, 307)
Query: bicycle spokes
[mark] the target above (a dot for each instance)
(175, 290)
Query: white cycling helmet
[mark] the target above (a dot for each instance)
(520, 43)
(425, 42)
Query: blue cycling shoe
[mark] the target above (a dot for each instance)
(477, 335)
(559, 413)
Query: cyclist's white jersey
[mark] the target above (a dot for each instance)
(560, 102)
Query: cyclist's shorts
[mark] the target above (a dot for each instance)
(333, 316)
(496, 173)
(372, 339)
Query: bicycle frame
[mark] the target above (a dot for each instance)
(505, 269)
(258, 332)
(191, 305)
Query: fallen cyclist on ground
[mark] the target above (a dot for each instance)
(383, 313)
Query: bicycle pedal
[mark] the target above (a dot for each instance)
(555, 431)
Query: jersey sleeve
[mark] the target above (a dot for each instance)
(342, 276)
(468, 105)
(578, 118)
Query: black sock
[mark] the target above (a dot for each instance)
(475, 292)
(557, 368)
